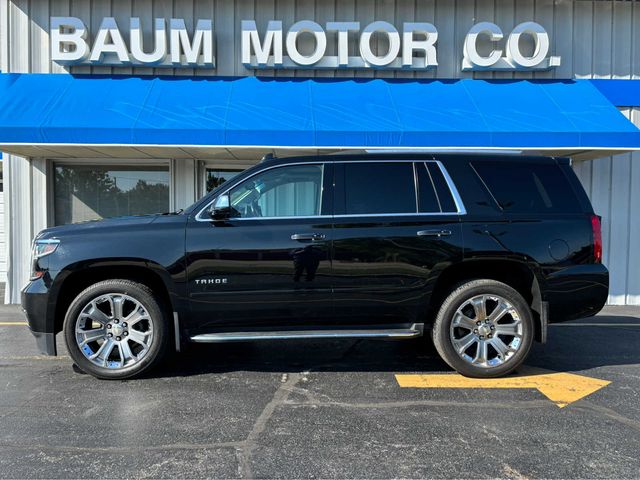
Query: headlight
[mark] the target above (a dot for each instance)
(41, 248)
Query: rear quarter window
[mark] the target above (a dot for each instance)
(525, 187)
(433, 192)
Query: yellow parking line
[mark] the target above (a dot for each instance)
(560, 387)
(13, 324)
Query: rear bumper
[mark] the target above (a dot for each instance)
(35, 301)
(576, 292)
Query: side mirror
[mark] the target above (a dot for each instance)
(221, 209)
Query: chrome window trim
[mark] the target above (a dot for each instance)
(452, 188)
(366, 215)
(461, 210)
(416, 191)
(346, 215)
(302, 217)
(433, 185)
(323, 165)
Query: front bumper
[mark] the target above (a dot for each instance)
(35, 302)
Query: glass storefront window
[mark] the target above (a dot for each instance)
(92, 192)
(215, 178)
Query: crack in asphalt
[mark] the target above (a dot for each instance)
(244, 450)
(611, 414)
(123, 450)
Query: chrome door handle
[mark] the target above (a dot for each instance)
(301, 237)
(434, 233)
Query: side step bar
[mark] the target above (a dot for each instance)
(413, 332)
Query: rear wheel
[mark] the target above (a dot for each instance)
(484, 329)
(116, 329)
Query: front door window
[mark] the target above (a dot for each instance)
(291, 191)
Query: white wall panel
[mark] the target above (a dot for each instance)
(204, 9)
(4, 31)
(613, 185)
(444, 20)
(286, 13)
(225, 37)
(18, 225)
(563, 33)
(346, 10)
(524, 11)
(144, 10)
(633, 254)
(365, 13)
(601, 44)
(184, 177)
(385, 9)
(484, 12)
(82, 9)
(621, 45)
(3, 245)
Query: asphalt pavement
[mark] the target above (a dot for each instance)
(329, 409)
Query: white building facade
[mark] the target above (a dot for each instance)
(538, 40)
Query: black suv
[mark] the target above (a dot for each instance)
(480, 252)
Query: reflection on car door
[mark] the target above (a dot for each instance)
(396, 222)
(269, 263)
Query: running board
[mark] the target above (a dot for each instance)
(415, 331)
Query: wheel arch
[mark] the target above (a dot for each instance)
(517, 274)
(75, 278)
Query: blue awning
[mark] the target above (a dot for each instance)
(39, 109)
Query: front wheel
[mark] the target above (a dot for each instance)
(484, 329)
(116, 329)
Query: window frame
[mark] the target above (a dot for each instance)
(325, 170)
(457, 200)
(448, 185)
(329, 172)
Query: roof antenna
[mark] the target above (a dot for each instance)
(268, 157)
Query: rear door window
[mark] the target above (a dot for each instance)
(526, 187)
(375, 188)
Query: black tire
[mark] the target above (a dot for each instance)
(442, 332)
(156, 319)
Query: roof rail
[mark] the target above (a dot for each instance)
(268, 157)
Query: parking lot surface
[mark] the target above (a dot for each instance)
(312, 409)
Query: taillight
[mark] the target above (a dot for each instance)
(596, 226)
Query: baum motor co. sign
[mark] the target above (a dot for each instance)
(413, 47)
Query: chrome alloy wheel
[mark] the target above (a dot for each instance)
(114, 331)
(486, 331)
